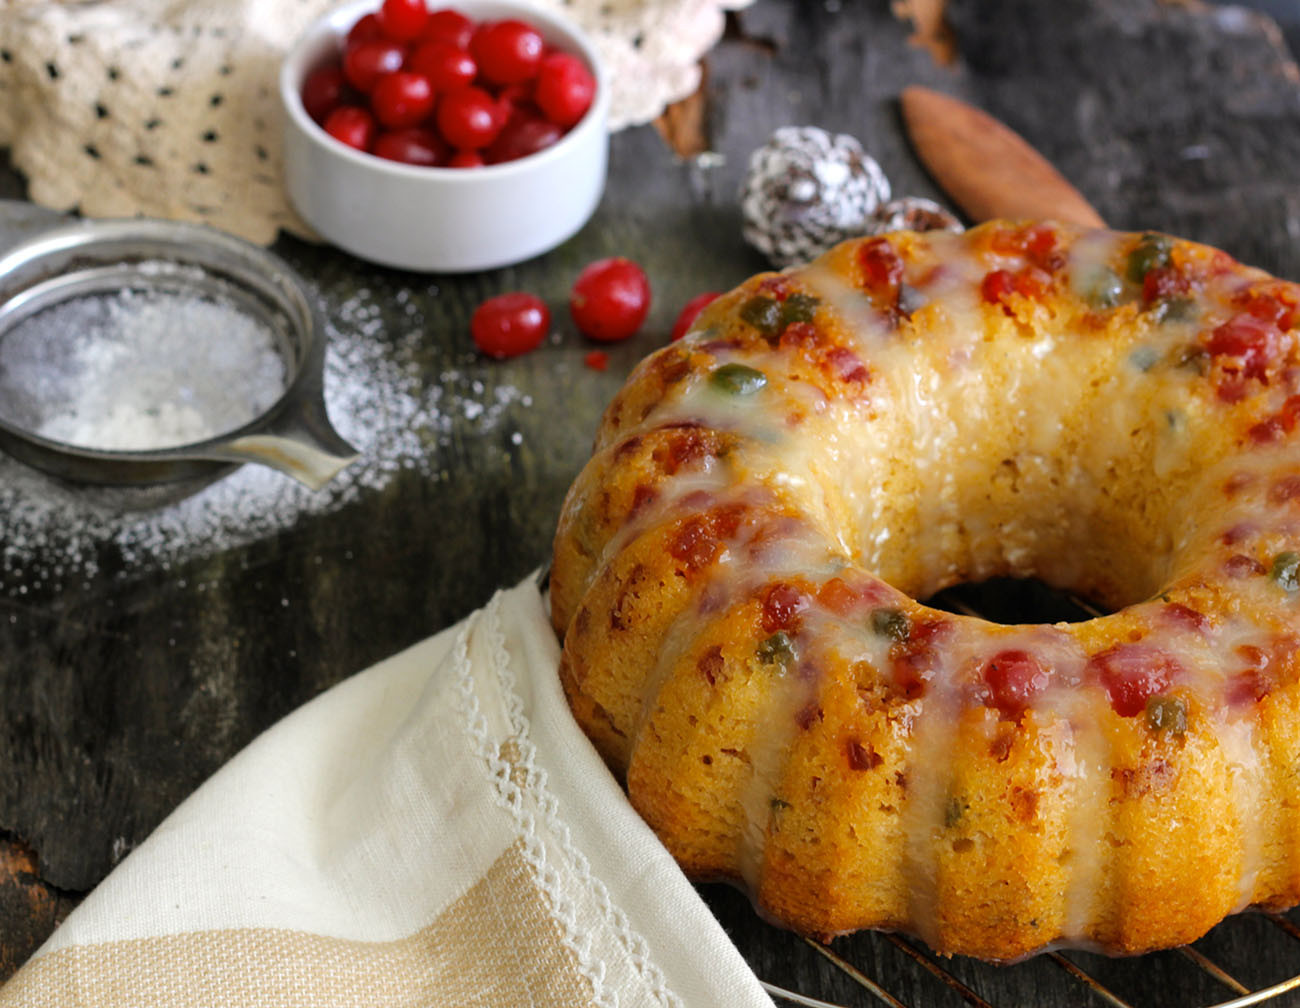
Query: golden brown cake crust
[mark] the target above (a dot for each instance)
(736, 569)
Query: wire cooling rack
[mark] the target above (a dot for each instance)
(1249, 959)
(1081, 984)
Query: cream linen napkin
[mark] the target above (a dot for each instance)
(432, 831)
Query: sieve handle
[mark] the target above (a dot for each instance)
(301, 443)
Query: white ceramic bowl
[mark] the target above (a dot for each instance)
(441, 220)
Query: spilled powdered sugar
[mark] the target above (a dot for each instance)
(398, 421)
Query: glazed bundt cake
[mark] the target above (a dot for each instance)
(737, 569)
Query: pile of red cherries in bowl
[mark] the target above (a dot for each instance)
(434, 88)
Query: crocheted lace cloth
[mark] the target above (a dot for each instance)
(170, 109)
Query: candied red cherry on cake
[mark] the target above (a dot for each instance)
(610, 299)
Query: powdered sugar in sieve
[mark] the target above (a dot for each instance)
(138, 351)
(139, 368)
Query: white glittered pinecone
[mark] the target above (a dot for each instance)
(914, 213)
(806, 190)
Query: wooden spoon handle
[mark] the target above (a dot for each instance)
(987, 168)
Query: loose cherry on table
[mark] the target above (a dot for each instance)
(610, 299)
(690, 312)
(484, 92)
(510, 324)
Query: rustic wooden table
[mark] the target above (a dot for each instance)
(145, 638)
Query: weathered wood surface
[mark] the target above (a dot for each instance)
(125, 688)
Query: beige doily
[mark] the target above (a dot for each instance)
(123, 107)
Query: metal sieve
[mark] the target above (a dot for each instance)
(88, 259)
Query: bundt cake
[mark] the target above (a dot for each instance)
(737, 569)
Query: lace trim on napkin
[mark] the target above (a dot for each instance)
(171, 110)
(521, 788)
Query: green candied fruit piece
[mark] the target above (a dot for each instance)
(910, 300)
(1175, 309)
(891, 623)
(798, 307)
(1101, 288)
(763, 313)
(1193, 358)
(1152, 251)
(737, 379)
(1143, 358)
(953, 811)
(1286, 570)
(1167, 715)
(776, 650)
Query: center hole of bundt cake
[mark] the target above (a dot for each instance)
(1036, 533)
(1099, 501)
(1009, 601)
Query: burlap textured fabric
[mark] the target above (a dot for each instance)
(433, 831)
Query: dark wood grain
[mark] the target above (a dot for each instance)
(1176, 117)
(125, 689)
